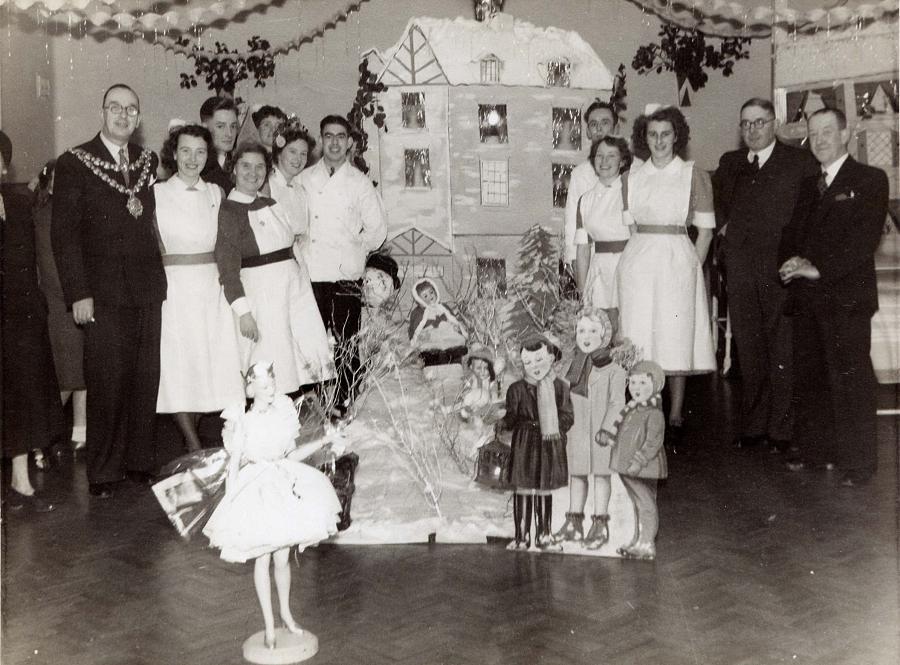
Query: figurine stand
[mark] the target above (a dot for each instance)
(289, 648)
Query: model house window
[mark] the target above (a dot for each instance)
(490, 69)
(494, 182)
(492, 123)
(561, 175)
(558, 73)
(490, 272)
(413, 109)
(566, 129)
(418, 169)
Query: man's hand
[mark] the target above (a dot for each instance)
(248, 327)
(83, 311)
(798, 267)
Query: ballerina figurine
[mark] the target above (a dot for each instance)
(272, 502)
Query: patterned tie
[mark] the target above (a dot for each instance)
(123, 165)
(822, 184)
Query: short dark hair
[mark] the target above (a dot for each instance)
(598, 105)
(535, 342)
(837, 113)
(759, 103)
(490, 366)
(335, 120)
(668, 114)
(116, 86)
(210, 106)
(250, 147)
(170, 147)
(267, 111)
(290, 133)
(616, 142)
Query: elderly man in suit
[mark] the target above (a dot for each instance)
(756, 189)
(827, 253)
(112, 275)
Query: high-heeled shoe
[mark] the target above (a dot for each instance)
(269, 640)
(292, 626)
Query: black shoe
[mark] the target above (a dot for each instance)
(16, 500)
(749, 441)
(101, 490)
(141, 477)
(674, 438)
(856, 478)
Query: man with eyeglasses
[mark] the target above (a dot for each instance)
(346, 222)
(112, 275)
(827, 258)
(756, 188)
(601, 121)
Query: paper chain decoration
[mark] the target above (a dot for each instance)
(714, 17)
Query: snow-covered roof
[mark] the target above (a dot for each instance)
(524, 49)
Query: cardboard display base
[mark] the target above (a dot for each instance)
(289, 648)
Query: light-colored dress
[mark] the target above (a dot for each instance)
(278, 294)
(606, 397)
(275, 502)
(600, 214)
(660, 289)
(199, 359)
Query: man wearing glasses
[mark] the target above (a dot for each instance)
(110, 268)
(756, 188)
(346, 222)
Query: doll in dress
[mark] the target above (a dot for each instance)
(597, 386)
(539, 413)
(434, 328)
(480, 404)
(638, 454)
(272, 502)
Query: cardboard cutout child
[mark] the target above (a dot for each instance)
(434, 328)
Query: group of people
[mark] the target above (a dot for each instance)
(177, 287)
(798, 229)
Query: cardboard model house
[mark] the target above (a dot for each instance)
(484, 126)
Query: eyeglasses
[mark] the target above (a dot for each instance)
(759, 123)
(116, 109)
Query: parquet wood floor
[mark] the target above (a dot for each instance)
(756, 565)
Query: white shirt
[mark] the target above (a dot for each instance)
(582, 180)
(832, 170)
(291, 197)
(346, 222)
(113, 148)
(764, 154)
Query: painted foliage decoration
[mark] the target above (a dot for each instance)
(366, 105)
(223, 74)
(685, 52)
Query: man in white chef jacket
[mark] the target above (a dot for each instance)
(346, 223)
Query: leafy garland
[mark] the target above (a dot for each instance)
(223, 74)
(685, 52)
(366, 105)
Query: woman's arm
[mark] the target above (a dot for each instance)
(704, 240)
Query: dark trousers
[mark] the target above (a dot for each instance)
(341, 308)
(121, 370)
(835, 388)
(763, 337)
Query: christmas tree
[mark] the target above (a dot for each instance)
(534, 288)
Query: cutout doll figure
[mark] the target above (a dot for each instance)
(539, 413)
(638, 454)
(480, 404)
(434, 328)
(598, 395)
(380, 281)
(271, 502)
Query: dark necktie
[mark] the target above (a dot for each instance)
(123, 165)
(754, 165)
(330, 171)
(822, 184)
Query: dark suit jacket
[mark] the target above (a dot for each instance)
(757, 206)
(20, 291)
(839, 234)
(214, 173)
(101, 251)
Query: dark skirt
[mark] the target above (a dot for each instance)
(32, 412)
(537, 464)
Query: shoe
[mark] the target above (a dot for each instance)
(16, 500)
(675, 437)
(269, 641)
(795, 464)
(101, 490)
(856, 478)
(41, 461)
(749, 441)
(141, 477)
(598, 535)
(641, 552)
(572, 529)
(778, 446)
(546, 543)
